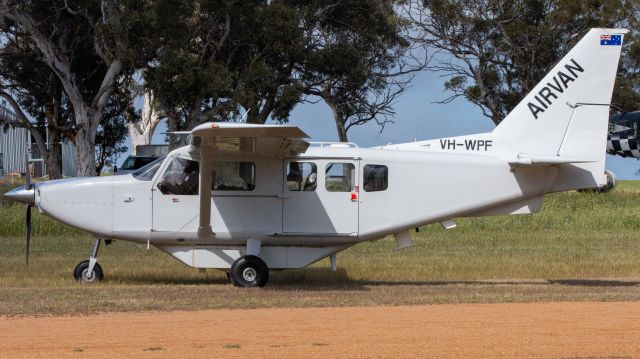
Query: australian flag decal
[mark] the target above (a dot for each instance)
(615, 40)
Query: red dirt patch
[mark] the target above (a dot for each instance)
(569, 329)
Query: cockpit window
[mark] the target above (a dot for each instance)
(147, 172)
(180, 178)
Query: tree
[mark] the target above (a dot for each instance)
(29, 87)
(69, 34)
(142, 124)
(110, 137)
(188, 77)
(496, 51)
(358, 60)
(218, 57)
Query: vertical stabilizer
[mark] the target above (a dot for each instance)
(566, 114)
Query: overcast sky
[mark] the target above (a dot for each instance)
(417, 117)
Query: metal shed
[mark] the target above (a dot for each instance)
(14, 142)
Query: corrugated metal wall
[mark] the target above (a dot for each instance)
(68, 159)
(13, 146)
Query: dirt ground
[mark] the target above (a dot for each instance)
(538, 330)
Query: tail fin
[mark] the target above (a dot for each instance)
(566, 114)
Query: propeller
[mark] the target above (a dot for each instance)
(27, 224)
(27, 233)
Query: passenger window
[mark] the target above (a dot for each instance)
(233, 176)
(302, 176)
(339, 177)
(375, 178)
(180, 178)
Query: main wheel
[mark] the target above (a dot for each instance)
(81, 273)
(249, 271)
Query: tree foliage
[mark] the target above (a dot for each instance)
(111, 132)
(358, 59)
(496, 51)
(217, 58)
(90, 46)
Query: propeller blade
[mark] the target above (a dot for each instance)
(29, 183)
(27, 233)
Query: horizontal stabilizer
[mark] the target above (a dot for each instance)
(532, 160)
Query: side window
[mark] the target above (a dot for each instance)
(339, 177)
(375, 178)
(180, 178)
(233, 176)
(302, 176)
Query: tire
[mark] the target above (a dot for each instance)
(79, 273)
(249, 272)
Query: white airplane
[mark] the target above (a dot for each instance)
(248, 198)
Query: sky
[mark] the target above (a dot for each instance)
(417, 117)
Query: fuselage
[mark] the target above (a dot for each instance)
(358, 194)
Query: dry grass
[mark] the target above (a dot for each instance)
(588, 236)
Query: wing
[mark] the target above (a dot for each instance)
(220, 139)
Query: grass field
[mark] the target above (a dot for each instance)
(582, 246)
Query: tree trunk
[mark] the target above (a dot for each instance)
(172, 126)
(85, 145)
(339, 119)
(40, 143)
(138, 136)
(141, 132)
(54, 155)
(53, 171)
(53, 111)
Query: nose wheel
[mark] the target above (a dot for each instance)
(249, 271)
(82, 274)
(89, 271)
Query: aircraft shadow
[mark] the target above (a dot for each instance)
(565, 282)
(346, 283)
(325, 279)
(595, 282)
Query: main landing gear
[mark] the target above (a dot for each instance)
(249, 271)
(89, 271)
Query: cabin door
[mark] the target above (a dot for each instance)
(175, 198)
(321, 197)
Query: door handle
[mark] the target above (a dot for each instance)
(128, 198)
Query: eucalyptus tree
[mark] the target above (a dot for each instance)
(216, 58)
(107, 36)
(358, 59)
(495, 51)
(32, 91)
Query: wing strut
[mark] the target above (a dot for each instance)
(204, 227)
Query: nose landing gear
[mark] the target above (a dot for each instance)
(89, 271)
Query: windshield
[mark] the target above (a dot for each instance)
(133, 163)
(147, 172)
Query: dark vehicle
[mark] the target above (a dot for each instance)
(132, 163)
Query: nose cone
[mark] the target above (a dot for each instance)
(21, 194)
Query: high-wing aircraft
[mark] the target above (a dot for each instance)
(248, 198)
